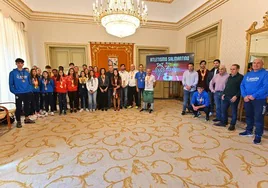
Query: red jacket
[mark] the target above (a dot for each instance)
(71, 86)
(61, 85)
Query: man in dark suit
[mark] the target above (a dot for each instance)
(211, 74)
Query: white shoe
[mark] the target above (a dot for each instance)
(52, 113)
(46, 114)
(94, 110)
(81, 110)
(33, 117)
(39, 115)
(90, 110)
(87, 110)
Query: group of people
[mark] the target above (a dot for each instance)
(87, 90)
(91, 89)
(205, 88)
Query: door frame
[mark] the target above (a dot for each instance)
(137, 48)
(49, 45)
(217, 26)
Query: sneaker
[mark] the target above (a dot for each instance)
(136, 107)
(257, 140)
(33, 117)
(215, 120)
(183, 113)
(93, 110)
(19, 124)
(220, 124)
(231, 128)
(90, 110)
(40, 115)
(46, 114)
(87, 110)
(246, 133)
(196, 116)
(142, 109)
(64, 113)
(52, 113)
(130, 107)
(150, 111)
(81, 110)
(28, 121)
(207, 118)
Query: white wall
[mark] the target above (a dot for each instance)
(42, 32)
(237, 16)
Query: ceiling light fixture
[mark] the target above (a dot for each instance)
(120, 18)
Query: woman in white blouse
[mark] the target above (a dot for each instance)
(92, 86)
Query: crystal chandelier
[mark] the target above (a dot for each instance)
(121, 18)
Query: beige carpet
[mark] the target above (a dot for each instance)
(130, 149)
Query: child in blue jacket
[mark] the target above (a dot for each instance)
(47, 89)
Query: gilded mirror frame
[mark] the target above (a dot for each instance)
(253, 30)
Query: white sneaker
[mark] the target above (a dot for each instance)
(46, 114)
(94, 110)
(52, 113)
(39, 115)
(90, 110)
(87, 110)
(33, 117)
(81, 110)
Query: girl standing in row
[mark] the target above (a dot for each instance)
(72, 86)
(47, 89)
(92, 86)
(61, 89)
(83, 91)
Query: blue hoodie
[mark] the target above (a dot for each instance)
(200, 99)
(49, 87)
(255, 84)
(38, 88)
(19, 82)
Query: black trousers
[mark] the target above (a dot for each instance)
(73, 99)
(25, 98)
(132, 94)
(103, 99)
(77, 99)
(206, 110)
(41, 101)
(55, 96)
(62, 101)
(35, 102)
(48, 99)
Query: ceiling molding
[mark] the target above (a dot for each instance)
(28, 13)
(161, 1)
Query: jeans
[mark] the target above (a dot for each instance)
(224, 110)
(22, 97)
(255, 111)
(212, 102)
(92, 100)
(206, 110)
(123, 98)
(140, 93)
(217, 99)
(48, 99)
(84, 99)
(187, 95)
(62, 101)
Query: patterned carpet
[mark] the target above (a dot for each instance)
(130, 149)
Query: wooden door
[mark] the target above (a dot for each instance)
(205, 47)
(62, 56)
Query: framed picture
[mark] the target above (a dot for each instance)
(113, 61)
